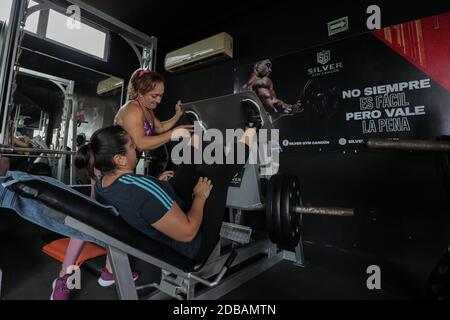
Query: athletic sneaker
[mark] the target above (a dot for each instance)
(253, 114)
(60, 290)
(107, 279)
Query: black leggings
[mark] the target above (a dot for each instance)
(184, 181)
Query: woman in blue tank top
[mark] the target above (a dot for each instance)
(145, 89)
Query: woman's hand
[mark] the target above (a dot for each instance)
(203, 188)
(166, 176)
(181, 132)
(178, 110)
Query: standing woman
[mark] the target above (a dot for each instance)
(137, 117)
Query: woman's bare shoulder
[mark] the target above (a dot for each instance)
(131, 108)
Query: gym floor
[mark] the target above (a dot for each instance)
(330, 274)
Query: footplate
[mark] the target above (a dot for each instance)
(236, 233)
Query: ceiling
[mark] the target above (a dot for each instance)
(174, 19)
(165, 18)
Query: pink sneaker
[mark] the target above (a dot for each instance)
(60, 290)
(107, 279)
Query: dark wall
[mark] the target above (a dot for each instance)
(275, 29)
(402, 208)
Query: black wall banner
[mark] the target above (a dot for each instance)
(393, 83)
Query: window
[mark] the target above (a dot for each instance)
(86, 39)
(31, 24)
(5, 10)
(55, 27)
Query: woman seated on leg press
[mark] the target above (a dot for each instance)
(185, 213)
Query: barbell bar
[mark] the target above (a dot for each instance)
(324, 211)
(10, 150)
(284, 210)
(409, 145)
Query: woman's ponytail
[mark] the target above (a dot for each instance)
(85, 159)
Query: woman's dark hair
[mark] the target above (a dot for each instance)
(104, 145)
(143, 81)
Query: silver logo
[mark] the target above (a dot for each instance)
(324, 57)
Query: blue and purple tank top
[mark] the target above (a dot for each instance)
(149, 129)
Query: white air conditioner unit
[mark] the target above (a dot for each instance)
(106, 86)
(212, 49)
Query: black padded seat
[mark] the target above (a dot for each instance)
(102, 219)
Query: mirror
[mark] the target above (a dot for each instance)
(36, 102)
(5, 16)
(58, 106)
(5, 12)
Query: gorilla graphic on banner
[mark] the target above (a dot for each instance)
(263, 86)
(314, 95)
